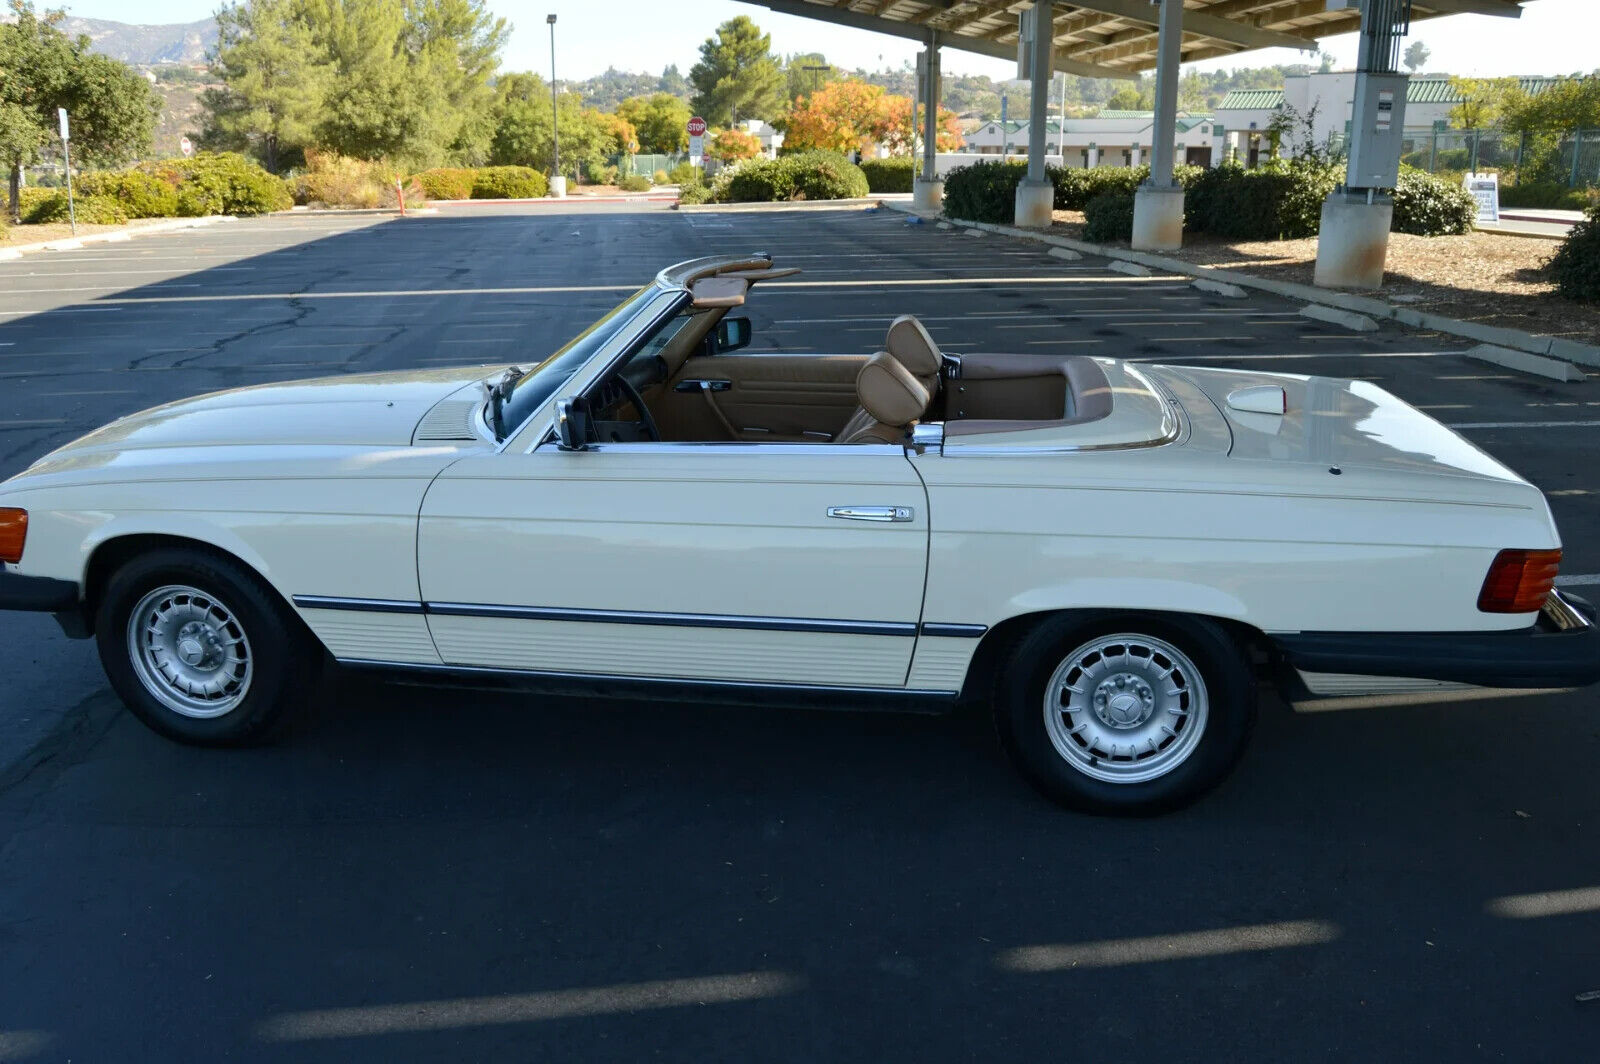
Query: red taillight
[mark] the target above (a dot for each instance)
(1519, 581)
(13, 534)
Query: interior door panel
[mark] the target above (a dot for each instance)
(773, 397)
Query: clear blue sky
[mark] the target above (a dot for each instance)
(1552, 37)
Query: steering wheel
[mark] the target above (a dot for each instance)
(645, 417)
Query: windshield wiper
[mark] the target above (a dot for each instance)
(500, 394)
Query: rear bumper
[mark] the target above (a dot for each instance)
(1561, 650)
(41, 594)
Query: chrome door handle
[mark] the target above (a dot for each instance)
(871, 513)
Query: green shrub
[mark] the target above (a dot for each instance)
(1576, 263)
(1281, 200)
(221, 183)
(826, 175)
(597, 172)
(659, 177)
(509, 182)
(761, 181)
(694, 194)
(686, 174)
(1076, 187)
(888, 175)
(29, 201)
(986, 191)
(1109, 216)
(636, 183)
(447, 182)
(141, 195)
(1548, 196)
(1426, 206)
(89, 210)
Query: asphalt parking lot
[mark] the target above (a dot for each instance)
(428, 875)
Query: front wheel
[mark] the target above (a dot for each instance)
(201, 650)
(1125, 714)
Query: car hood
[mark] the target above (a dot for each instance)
(366, 410)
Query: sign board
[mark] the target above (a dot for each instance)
(697, 146)
(1485, 188)
(1385, 108)
(186, 146)
(61, 113)
(697, 126)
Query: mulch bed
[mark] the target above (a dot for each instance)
(1488, 278)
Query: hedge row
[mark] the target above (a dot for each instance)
(186, 188)
(488, 182)
(888, 175)
(1281, 200)
(808, 175)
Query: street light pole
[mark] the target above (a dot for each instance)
(558, 182)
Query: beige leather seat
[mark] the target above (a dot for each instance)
(891, 402)
(908, 341)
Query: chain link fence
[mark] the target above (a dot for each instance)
(1570, 159)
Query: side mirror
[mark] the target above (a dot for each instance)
(572, 426)
(732, 334)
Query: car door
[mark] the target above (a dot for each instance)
(790, 564)
(759, 396)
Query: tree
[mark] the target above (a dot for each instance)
(807, 72)
(1481, 101)
(1326, 66)
(275, 79)
(1131, 99)
(734, 145)
(903, 128)
(661, 120)
(1416, 55)
(844, 116)
(112, 109)
(737, 75)
(523, 134)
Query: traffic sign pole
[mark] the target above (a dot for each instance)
(66, 158)
(697, 142)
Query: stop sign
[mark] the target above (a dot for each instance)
(697, 126)
(186, 146)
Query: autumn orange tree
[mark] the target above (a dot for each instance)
(900, 128)
(734, 145)
(852, 115)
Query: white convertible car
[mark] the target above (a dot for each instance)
(1112, 554)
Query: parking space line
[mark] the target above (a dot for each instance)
(1578, 579)
(1524, 424)
(1546, 903)
(1113, 953)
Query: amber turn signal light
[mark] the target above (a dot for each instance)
(13, 534)
(1519, 581)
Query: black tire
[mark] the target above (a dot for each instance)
(1019, 712)
(285, 660)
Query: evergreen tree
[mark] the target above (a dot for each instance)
(737, 75)
(661, 120)
(112, 108)
(275, 81)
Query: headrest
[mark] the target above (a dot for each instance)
(889, 392)
(910, 343)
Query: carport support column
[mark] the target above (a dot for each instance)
(1036, 195)
(928, 193)
(1158, 203)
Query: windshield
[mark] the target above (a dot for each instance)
(541, 382)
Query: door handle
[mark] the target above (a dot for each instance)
(699, 385)
(871, 513)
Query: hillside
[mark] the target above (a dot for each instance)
(186, 42)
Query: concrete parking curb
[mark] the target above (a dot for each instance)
(114, 237)
(1347, 319)
(1515, 339)
(1538, 365)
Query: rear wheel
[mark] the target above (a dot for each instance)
(201, 650)
(1125, 713)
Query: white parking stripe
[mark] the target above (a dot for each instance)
(1524, 424)
(1578, 580)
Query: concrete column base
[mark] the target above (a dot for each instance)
(1036, 204)
(927, 194)
(1354, 241)
(1157, 218)
(558, 186)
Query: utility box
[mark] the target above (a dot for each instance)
(1377, 130)
(1028, 24)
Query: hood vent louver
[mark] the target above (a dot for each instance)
(453, 420)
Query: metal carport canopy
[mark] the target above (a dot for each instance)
(1116, 38)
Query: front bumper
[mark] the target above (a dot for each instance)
(1561, 650)
(42, 594)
